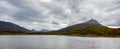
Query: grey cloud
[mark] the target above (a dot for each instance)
(57, 14)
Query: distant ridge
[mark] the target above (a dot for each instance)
(6, 26)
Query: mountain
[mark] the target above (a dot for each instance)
(88, 23)
(91, 22)
(44, 30)
(5, 26)
(33, 30)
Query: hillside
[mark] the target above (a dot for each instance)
(89, 28)
(6, 26)
(88, 23)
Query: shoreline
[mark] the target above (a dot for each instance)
(67, 35)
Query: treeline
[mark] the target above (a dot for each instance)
(94, 31)
(84, 31)
(13, 32)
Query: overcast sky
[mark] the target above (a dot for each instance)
(57, 14)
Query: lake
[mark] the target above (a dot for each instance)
(57, 42)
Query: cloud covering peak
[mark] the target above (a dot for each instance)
(57, 14)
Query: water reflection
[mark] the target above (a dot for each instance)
(57, 42)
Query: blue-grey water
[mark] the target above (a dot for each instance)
(57, 42)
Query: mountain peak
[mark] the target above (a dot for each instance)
(93, 21)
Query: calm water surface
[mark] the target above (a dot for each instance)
(57, 42)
